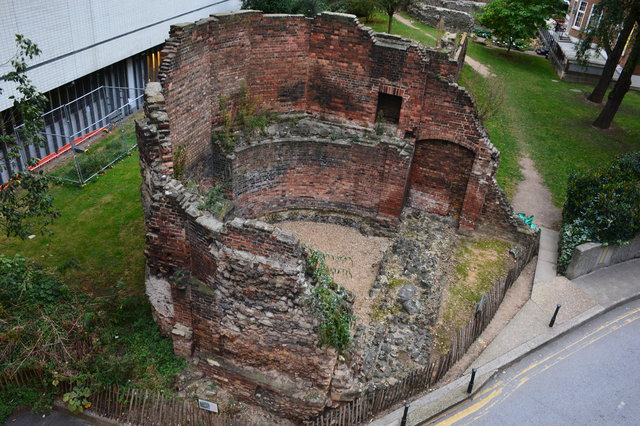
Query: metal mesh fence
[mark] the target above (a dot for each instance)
(81, 138)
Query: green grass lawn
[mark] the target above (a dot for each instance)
(101, 153)
(98, 239)
(550, 122)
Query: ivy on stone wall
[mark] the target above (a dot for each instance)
(331, 301)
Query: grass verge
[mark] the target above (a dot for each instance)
(477, 266)
(550, 120)
(98, 240)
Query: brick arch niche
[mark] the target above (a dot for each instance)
(439, 177)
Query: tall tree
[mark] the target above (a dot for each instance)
(621, 87)
(390, 7)
(612, 20)
(26, 205)
(512, 20)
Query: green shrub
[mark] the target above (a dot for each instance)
(603, 205)
(69, 336)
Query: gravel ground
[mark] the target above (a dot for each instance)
(357, 257)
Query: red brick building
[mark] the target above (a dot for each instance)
(579, 17)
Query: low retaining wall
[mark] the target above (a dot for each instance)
(588, 257)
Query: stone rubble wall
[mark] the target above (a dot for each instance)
(243, 312)
(241, 308)
(457, 15)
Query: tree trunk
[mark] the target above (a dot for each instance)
(612, 60)
(390, 21)
(620, 89)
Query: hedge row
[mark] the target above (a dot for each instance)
(603, 205)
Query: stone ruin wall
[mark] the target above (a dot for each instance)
(458, 15)
(242, 312)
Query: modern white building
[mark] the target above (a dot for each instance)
(89, 43)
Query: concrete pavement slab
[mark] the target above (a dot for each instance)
(530, 322)
(545, 271)
(548, 255)
(560, 290)
(611, 284)
(549, 239)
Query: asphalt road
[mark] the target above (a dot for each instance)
(591, 376)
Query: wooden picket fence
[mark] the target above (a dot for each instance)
(134, 406)
(139, 407)
(367, 406)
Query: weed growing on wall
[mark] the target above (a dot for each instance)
(331, 303)
(214, 201)
(241, 116)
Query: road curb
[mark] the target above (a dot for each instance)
(445, 398)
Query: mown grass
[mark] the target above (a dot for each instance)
(99, 155)
(549, 122)
(98, 240)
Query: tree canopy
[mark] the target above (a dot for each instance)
(513, 20)
(26, 205)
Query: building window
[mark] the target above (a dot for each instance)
(582, 9)
(389, 108)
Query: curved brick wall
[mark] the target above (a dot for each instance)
(242, 313)
(332, 68)
(359, 179)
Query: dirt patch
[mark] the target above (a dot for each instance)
(355, 257)
(480, 68)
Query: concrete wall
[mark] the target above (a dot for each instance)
(591, 256)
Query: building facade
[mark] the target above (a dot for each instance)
(87, 44)
(580, 15)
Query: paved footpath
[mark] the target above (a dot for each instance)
(581, 299)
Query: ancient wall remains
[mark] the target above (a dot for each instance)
(232, 292)
(456, 14)
(330, 67)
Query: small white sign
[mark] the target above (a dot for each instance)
(208, 405)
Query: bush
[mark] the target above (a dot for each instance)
(603, 205)
(70, 336)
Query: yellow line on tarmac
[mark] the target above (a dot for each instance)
(472, 409)
(487, 390)
(602, 327)
(628, 319)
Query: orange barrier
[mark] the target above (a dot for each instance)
(66, 148)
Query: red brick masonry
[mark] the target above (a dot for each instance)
(241, 308)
